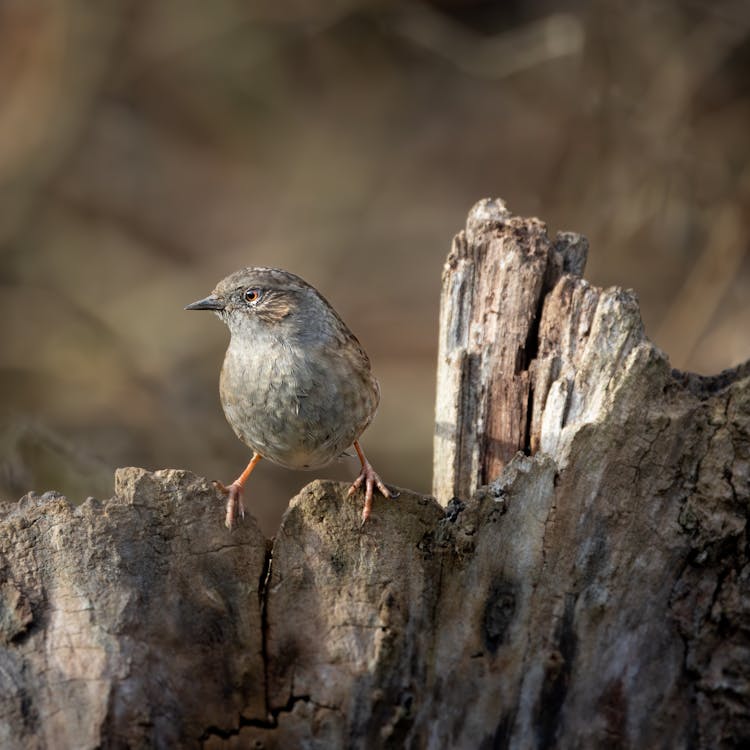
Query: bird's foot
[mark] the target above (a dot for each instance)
(235, 506)
(371, 480)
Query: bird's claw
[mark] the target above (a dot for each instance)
(371, 480)
(235, 506)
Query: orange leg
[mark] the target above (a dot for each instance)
(371, 480)
(234, 503)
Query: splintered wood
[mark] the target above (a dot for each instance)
(491, 383)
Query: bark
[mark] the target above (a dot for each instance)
(583, 584)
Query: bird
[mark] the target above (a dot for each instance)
(296, 385)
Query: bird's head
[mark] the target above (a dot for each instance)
(257, 300)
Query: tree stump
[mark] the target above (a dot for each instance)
(582, 582)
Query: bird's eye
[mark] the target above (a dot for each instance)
(252, 295)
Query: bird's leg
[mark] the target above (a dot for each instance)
(371, 480)
(234, 502)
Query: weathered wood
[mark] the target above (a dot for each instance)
(134, 622)
(591, 594)
(495, 281)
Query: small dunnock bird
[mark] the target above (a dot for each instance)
(296, 385)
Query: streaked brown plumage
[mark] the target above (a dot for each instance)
(296, 385)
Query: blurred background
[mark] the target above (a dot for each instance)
(147, 149)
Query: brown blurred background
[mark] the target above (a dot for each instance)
(147, 149)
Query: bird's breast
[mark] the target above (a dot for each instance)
(298, 406)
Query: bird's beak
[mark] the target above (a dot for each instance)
(212, 302)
